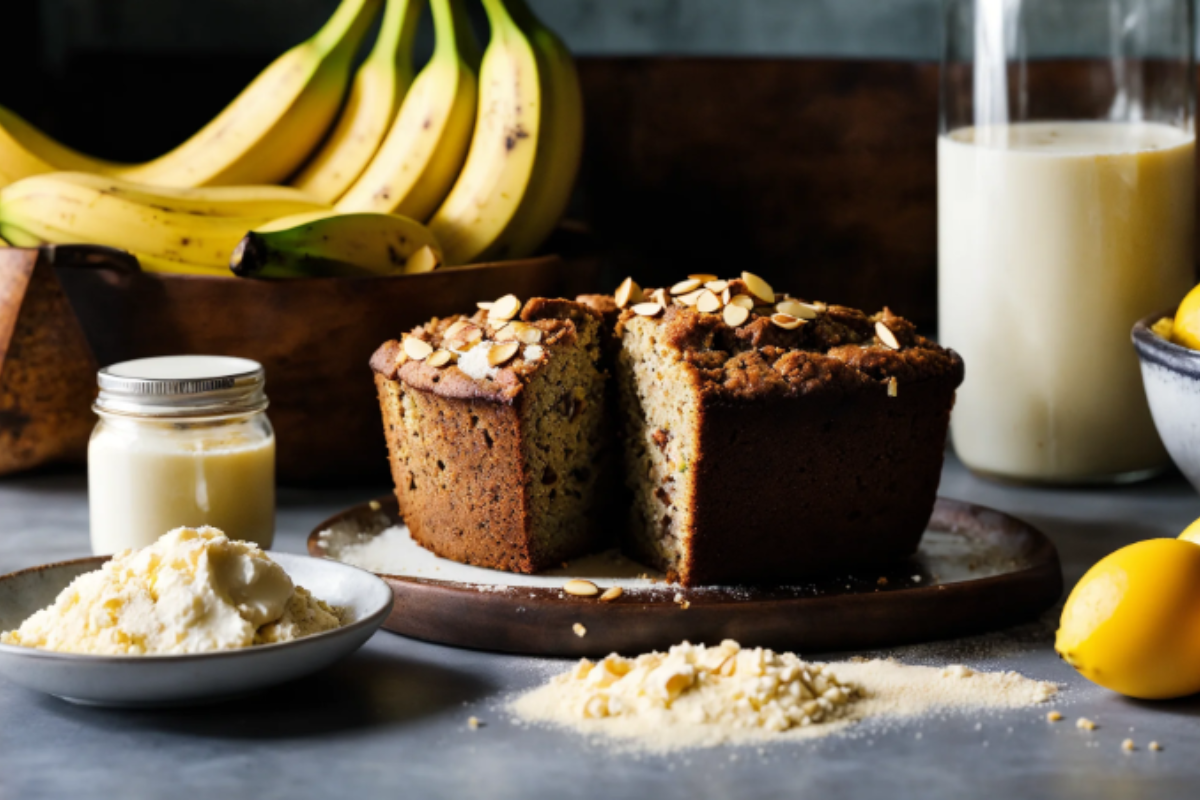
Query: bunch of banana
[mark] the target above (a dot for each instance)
(330, 244)
(483, 151)
(263, 136)
(426, 145)
(375, 95)
(526, 145)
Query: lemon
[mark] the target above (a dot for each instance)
(1191, 533)
(1132, 623)
(1186, 330)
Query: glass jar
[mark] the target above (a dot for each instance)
(1066, 207)
(182, 441)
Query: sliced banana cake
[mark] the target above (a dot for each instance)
(767, 439)
(496, 430)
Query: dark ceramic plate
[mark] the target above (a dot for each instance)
(977, 570)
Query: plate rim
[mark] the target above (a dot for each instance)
(1042, 545)
(540, 621)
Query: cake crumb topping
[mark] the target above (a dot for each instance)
(746, 340)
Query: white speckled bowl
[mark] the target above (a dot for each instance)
(1171, 374)
(150, 681)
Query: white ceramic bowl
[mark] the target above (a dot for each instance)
(151, 681)
(1171, 375)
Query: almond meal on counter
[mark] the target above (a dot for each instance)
(697, 696)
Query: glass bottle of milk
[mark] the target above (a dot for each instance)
(182, 441)
(1066, 206)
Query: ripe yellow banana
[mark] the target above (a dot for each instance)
(277, 121)
(178, 231)
(424, 150)
(560, 145)
(504, 145)
(263, 136)
(52, 154)
(329, 244)
(25, 151)
(375, 95)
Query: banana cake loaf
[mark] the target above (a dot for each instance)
(496, 431)
(768, 439)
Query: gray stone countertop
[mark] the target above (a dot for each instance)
(391, 721)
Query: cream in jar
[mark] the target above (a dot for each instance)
(182, 441)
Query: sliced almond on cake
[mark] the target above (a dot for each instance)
(683, 287)
(628, 292)
(502, 353)
(794, 308)
(786, 321)
(734, 315)
(759, 288)
(505, 308)
(439, 358)
(708, 302)
(886, 337)
(529, 334)
(417, 349)
(647, 309)
(743, 301)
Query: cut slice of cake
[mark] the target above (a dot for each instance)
(769, 439)
(496, 431)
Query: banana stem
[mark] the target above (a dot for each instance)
(347, 26)
(452, 31)
(517, 13)
(393, 47)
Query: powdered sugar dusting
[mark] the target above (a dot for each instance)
(475, 364)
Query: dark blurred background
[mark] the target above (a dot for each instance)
(130, 78)
(790, 137)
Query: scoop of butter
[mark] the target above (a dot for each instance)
(192, 591)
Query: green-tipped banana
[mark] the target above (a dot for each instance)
(424, 151)
(375, 95)
(329, 244)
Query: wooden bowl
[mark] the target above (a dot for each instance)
(313, 337)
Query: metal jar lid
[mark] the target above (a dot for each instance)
(182, 386)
